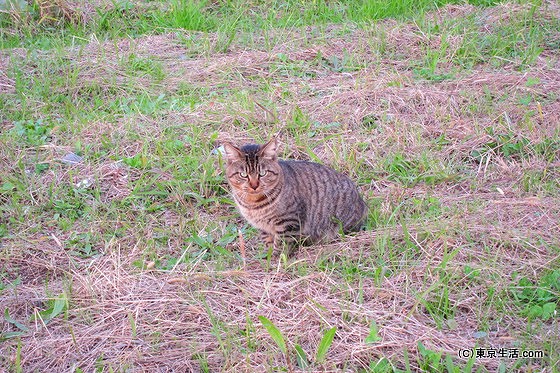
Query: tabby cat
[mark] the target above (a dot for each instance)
(290, 200)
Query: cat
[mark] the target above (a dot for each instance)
(291, 201)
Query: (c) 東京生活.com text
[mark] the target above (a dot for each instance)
(493, 353)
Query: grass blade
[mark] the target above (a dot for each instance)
(16, 323)
(301, 357)
(58, 306)
(325, 344)
(373, 333)
(274, 333)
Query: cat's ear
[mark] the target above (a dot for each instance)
(270, 149)
(232, 152)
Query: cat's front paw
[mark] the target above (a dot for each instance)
(267, 238)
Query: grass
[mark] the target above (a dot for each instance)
(43, 23)
(446, 116)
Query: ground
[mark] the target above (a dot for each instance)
(121, 249)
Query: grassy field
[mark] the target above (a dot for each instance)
(121, 249)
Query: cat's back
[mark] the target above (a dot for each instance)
(326, 193)
(311, 175)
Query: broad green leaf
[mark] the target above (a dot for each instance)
(58, 307)
(301, 357)
(16, 323)
(373, 333)
(8, 335)
(325, 343)
(548, 310)
(535, 312)
(451, 368)
(422, 349)
(274, 333)
(7, 187)
(532, 81)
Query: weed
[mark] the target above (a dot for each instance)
(187, 14)
(53, 308)
(83, 245)
(139, 66)
(412, 171)
(22, 329)
(537, 300)
(301, 357)
(33, 132)
(373, 335)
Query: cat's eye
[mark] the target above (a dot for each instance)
(243, 174)
(263, 173)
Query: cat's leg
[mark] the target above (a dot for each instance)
(271, 241)
(290, 236)
(267, 238)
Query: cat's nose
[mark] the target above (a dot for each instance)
(254, 184)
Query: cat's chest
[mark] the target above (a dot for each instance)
(263, 218)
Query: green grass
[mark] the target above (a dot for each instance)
(127, 18)
(446, 122)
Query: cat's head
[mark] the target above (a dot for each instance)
(253, 169)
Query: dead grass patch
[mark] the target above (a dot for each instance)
(143, 319)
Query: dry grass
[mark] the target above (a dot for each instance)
(196, 308)
(173, 320)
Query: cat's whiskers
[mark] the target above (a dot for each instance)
(265, 193)
(243, 194)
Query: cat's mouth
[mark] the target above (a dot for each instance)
(254, 195)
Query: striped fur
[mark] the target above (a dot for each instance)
(304, 201)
